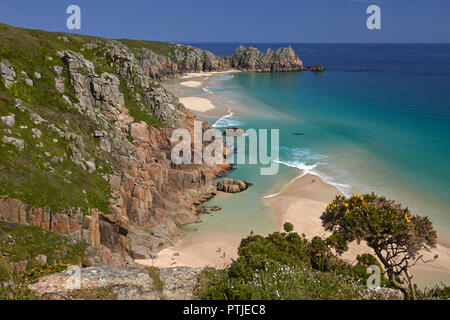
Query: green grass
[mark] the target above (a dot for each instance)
(158, 284)
(135, 108)
(24, 243)
(30, 241)
(5, 273)
(162, 48)
(29, 175)
(103, 293)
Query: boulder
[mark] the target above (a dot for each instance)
(36, 133)
(7, 72)
(139, 131)
(18, 143)
(58, 70)
(231, 186)
(137, 283)
(8, 120)
(318, 68)
(234, 132)
(59, 84)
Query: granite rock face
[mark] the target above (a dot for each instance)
(151, 197)
(251, 59)
(182, 60)
(7, 73)
(186, 59)
(148, 192)
(122, 283)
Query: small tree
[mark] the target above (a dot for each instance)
(288, 227)
(396, 236)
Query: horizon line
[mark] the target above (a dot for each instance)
(230, 42)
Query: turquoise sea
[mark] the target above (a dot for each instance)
(378, 119)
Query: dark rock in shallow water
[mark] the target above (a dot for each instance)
(232, 186)
(234, 132)
(318, 68)
(298, 134)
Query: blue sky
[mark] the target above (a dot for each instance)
(240, 20)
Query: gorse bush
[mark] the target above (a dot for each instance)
(288, 227)
(283, 266)
(45, 270)
(395, 234)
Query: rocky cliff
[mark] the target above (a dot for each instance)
(85, 138)
(160, 61)
(251, 59)
(85, 147)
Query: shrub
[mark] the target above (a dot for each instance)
(45, 270)
(281, 266)
(17, 292)
(395, 235)
(320, 255)
(288, 227)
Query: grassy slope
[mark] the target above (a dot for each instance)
(19, 243)
(162, 48)
(29, 175)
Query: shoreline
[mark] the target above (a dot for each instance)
(203, 103)
(300, 195)
(212, 250)
(301, 202)
(207, 74)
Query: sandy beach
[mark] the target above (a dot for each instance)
(191, 84)
(302, 202)
(206, 74)
(203, 103)
(214, 250)
(197, 104)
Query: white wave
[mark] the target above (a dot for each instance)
(310, 169)
(224, 77)
(299, 165)
(271, 195)
(225, 121)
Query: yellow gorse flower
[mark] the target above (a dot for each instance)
(407, 219)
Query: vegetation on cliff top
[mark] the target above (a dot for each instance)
(283, 266)
(28, 252)
(42, 175)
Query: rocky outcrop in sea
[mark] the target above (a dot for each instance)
(251, 59)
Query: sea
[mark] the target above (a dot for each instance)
(377, 120)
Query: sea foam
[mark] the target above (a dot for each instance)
(307, 162)
(225, 121)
